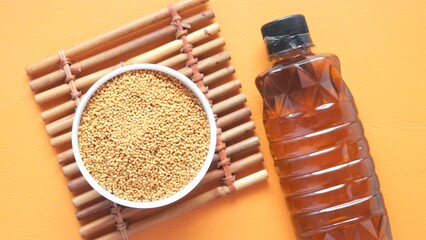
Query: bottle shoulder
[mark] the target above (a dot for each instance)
(300, 61)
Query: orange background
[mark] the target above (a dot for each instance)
(381, 45)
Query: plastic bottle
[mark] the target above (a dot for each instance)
(317, 141)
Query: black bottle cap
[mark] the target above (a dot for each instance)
(286, 34)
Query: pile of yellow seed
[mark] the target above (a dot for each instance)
(143, 136)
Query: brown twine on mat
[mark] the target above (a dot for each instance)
(121, 224)
(182, 31)
(75, 96)
(70, 76)
(197, 78)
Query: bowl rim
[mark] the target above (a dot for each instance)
(206, 107)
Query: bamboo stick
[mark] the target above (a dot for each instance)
(72, 169)
(237, 166)
(229, 103)
(58, 111)
(223, 89)
(57, 77)
(218, 108)
(222, 122)
(93, 45)
(65, 157)
(240, 147)
(97, 208)
(65, 123)
(60, 125)
(222, 73)
(203, 65)
(233, 117)
(78, 184)
(61, 139)
(231, 150)
(237, 131)
(152, 56)
(187, 206)
(85, 198)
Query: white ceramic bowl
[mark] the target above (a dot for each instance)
(207, 109)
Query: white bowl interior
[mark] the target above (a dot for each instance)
(207, 109)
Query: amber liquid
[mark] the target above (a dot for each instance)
(320, 152)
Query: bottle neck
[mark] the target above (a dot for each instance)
(286, 55)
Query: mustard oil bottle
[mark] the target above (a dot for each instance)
(317, 140)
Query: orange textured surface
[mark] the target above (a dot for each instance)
(380, 45)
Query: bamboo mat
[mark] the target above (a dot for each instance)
(188, 42)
